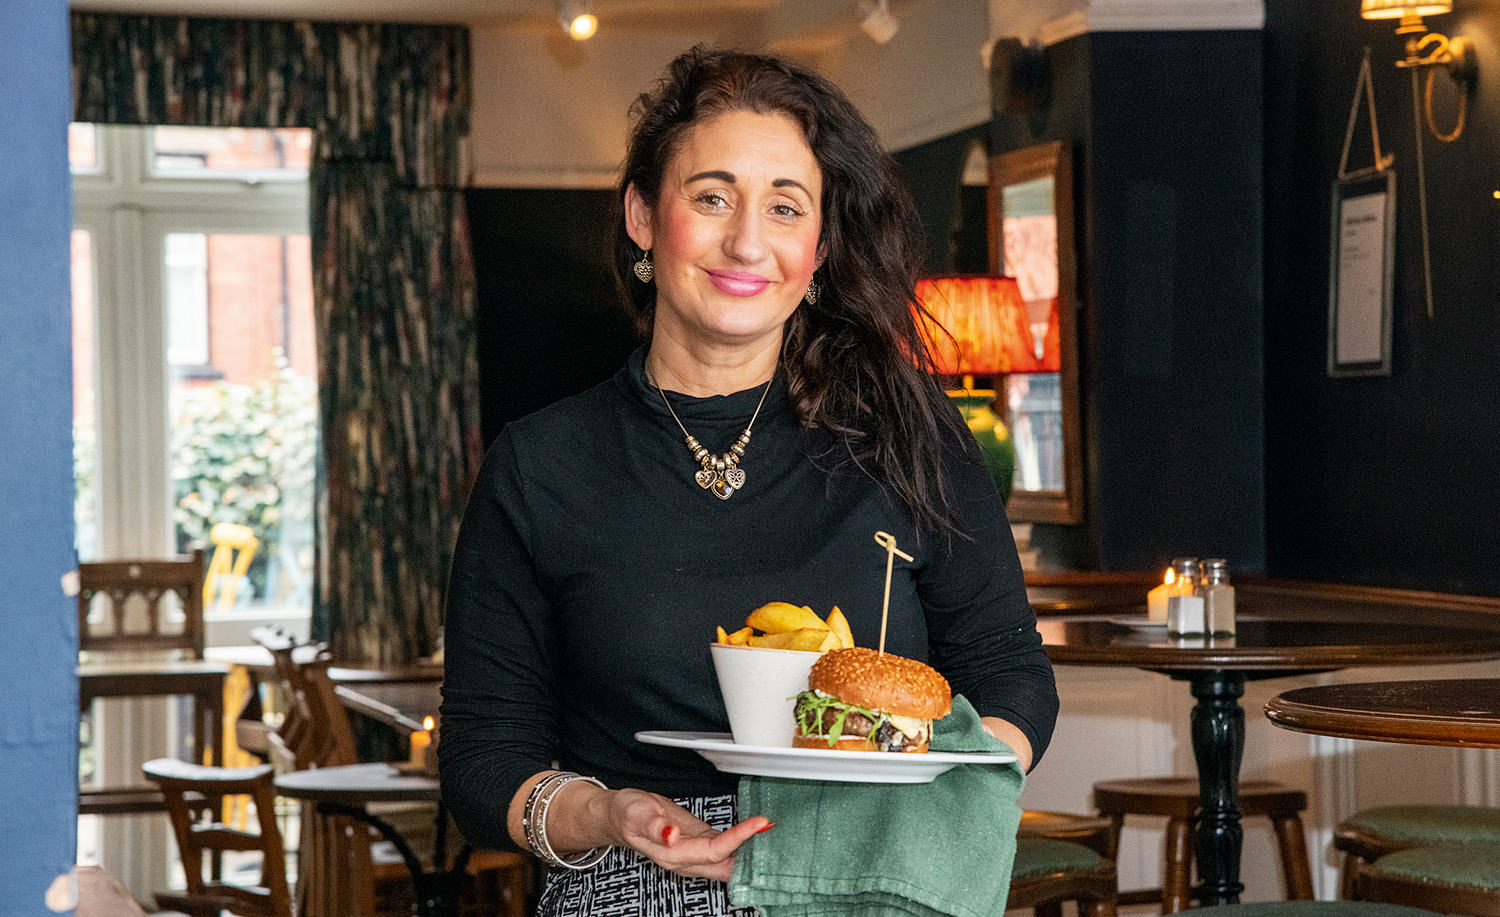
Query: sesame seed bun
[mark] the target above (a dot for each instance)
(894, 684)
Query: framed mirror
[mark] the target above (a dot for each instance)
(1031, 239)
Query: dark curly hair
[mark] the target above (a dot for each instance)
(857, 366)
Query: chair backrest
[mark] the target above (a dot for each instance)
(314, 729)
(133, 616)
(184, 787)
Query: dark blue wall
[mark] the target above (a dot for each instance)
(1382, 481)
(38, 643)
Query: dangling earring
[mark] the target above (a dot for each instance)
(644, 269)
(812, 293)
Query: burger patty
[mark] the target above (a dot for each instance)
(887, 737)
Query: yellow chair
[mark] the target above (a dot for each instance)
(228, 538)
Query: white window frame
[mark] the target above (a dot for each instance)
(129, 208)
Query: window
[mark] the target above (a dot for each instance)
(195, 364)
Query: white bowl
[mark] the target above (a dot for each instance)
(760, 687)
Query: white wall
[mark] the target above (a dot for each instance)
(928, 81)
(551, 112)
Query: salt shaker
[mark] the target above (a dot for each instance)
(1185, 604)
(1218, 597)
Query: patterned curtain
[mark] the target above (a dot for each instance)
(393, 279)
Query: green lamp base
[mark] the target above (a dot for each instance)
(993, 436)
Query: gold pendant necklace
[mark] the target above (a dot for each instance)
(721, 474)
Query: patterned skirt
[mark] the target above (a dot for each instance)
(627, 884)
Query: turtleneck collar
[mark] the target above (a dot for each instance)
(735, 408)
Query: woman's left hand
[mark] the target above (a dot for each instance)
(673, 838)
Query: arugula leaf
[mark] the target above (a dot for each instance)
(811, 706)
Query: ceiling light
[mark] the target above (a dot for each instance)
(577, 19)
(877, 22)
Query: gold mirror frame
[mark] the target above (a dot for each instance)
(1048, 160)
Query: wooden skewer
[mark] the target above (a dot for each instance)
(888, 541)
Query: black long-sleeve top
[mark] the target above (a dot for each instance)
(591, 571)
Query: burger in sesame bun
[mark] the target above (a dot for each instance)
(861, 700)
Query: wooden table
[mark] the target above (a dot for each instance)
(1267, 645)
(349, 789)
(202, 681)
(257, 659)
(1460, 712)
(401, 705)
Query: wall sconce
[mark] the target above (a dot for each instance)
(577, 19)
(877, 22)
(1430, 51)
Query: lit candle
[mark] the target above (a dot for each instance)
(1156, 599)
(419, 742)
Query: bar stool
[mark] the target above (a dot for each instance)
(1449, 878)
(1176, 798)
(1370, 834)
(1315, 909)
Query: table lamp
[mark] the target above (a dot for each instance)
(978, 326)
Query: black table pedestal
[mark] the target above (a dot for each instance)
(1218, 729)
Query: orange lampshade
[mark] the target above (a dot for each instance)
(988, 332)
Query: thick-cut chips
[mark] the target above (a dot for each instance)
(772, 641)
(840, 626)
(784, 617)
(791, 627)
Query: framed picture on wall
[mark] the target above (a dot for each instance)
(1362, 260)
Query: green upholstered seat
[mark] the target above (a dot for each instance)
(1048, 872)
(1472, 865)
(1037, 856)
(1313, 909)
(1431, 824)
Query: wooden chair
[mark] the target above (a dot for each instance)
(186, 788)
(1049, 872)
(346, 866)
(1176, 799)
(122, 608)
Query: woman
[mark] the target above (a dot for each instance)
(781, 413)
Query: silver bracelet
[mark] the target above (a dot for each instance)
(534, 822)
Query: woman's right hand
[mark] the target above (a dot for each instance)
(583, 816)
(674, 838)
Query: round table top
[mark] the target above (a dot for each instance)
(1263, 644)
(1461, 712)
(357, 784)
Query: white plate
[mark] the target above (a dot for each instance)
(816, 763)
(1137, 622)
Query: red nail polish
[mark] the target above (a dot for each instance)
(768, 827)
(666, 835)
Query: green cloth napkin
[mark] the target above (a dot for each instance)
(939, 849)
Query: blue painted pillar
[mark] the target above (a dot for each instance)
(38, 639)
